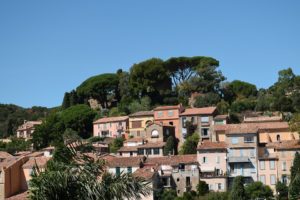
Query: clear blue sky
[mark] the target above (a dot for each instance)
(50, 47)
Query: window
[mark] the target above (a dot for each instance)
(148, 151)
(262, 165)
(170, 113)
(273, 179)
(118, 171)
(204, 160)
(204, 119)
(204, 132)
(284, 179)
(192, 120)
(166, 181)
(218, 159)
(184, 122)
(219, 186)
(159, 114)
(181, 166)
(129, 170)
(154, 133)
(120, 153)
(241, 152)
(140, 151)
(248, 139)
(156, 151)
(283, 165)
(136, 124)
(171, 123)
(138, 133)
(278, 138)
(188, 181)
(234, 140)
(131, 153)
(272, 164)
(262, 179)
(252, 152)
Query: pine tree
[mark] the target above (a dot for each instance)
(294, 188)
(238, 190)
(66, 101)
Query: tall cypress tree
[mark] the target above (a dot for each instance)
(238, 190)
(296, 166)
(170, 146)
(294, 188)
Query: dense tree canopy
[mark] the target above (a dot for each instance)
(101, 87)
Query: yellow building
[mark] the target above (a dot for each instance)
(138, 122)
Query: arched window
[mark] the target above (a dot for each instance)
(278, 138)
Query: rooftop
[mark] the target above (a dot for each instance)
(173, 160)
(208, 145)
(28, 124)
(288, 145)
(113, 161)
(4, 155)
(39, 161)
(221, 117)
(168, 107)
(152, 145)
(142, 114)
(135, 140)
(199, 111)
(263, 119)
(111, 119)
(127, 149)
(146, 172)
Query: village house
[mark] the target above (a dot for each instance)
(242, 141)
(169, 115)
(27, 128)
(129, 148)
(151, 149)
(111, 127)
(179, 172)
(138, 122)
(213, 164)
(202, 118)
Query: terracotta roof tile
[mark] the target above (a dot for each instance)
(292, 144)
(112, 161)
(127, 148)
(167, 107)
(146, 172)
(28, 124)
(142, 113)
(208, 145)
(152, 145)
(221, 117)
(110, 119)
(263, 119)
(39, 161)
(172, 160)
(20, 196)
(4, 154)
(199, 111)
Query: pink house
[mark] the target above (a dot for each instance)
(213, 168)
(111, 127)
(27, 128)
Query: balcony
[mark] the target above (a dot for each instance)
(244, 172)
(120, 128)
(239, 159)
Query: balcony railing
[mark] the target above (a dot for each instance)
(238, 159)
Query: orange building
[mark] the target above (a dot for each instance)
(169, 115)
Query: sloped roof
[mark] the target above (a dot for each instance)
(4, 154)
(142, 113)
(28, 124)
(262, 119)
(221, 117)
(152, 145)
(39, 161)
(282, 145)
(146, 172)
(208, 145)
(168, 107)
(112, 161)
(136, 139)
(199, 111)
(111, 119)
(127, 149)
(173, 160)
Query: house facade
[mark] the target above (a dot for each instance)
(201, 118)
(138, 122)
(169, 115)
(111, 127)
(27, 128)
(213, 164)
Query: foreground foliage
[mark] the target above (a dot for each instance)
(75, 176)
